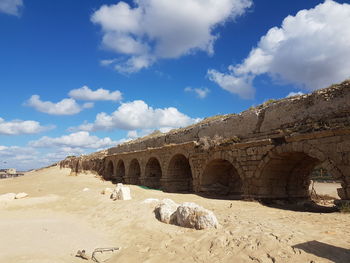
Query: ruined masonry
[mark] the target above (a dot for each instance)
(267, 152)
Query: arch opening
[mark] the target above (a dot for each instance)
(153, 173)
(179, 174)
(324, 185)
(109, 171)
(134, 172)
(222, 179)
(120, 172)
(287, 176)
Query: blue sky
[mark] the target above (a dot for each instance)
(79, 76)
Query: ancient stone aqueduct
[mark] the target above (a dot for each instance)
(266, 152)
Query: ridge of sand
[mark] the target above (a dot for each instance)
(59, 218)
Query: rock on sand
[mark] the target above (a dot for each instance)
(194, 216)
(165, 211)
(7, 197)
(121, 193)
(21, 195)
(188, 215)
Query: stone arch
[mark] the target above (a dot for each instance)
(227, 155)
(153, 173)
(179, 174)
(221, 178)
(285, 172)
(134, 172)
(109, 173)
(120, 171)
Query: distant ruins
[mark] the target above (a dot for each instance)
(266, 152)
(9, 173)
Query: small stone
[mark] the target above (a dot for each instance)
(86, 189)
(21, 195)
(7, 197)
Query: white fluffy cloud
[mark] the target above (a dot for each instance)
(201, 92)
(138, 115)
(80, 139)
(25, 158)
(63, 107)
(47, 150)
(11, 7)
(85, 93)
(156, 29)
(17, 127)
(310, 50)
(21, 158)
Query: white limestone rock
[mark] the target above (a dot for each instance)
(192, 215)
(121, 193)
(21, 195)
(86, 189)
(124, 193)
(166, 211)
(7, 197)
(114, 194)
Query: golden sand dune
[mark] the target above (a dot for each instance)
(59, 218)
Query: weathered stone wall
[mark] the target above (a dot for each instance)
(265, 152)
(323, 109)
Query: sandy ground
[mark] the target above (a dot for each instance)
(59, 218)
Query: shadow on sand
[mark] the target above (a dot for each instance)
(304, 206)
(323, 250)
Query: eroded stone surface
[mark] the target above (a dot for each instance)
(194, 216)
(166, 211)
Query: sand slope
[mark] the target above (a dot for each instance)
(59, 218)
